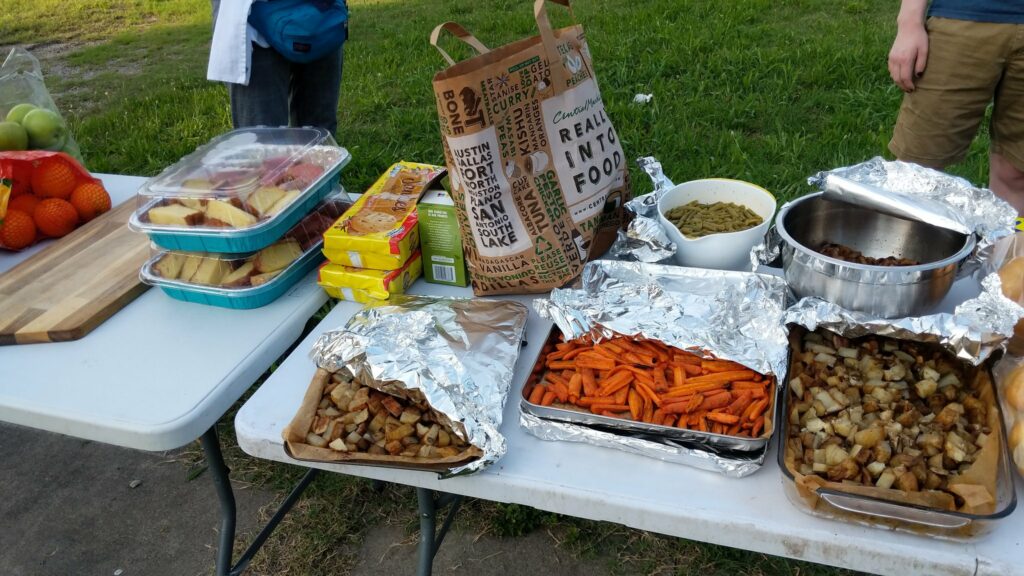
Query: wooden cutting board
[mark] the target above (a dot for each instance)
(72, 286)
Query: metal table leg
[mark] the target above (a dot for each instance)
(431, 540)
(226, 495)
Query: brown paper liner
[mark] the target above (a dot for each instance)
(294, 435)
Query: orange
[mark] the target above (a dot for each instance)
(17, 231)
(91, 200)
(55, 217)
(26, 203)
(53, 178)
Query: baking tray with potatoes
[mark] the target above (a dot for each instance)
(342, 420)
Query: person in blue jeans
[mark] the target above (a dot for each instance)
(265, 88)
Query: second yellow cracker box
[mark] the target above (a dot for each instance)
(379, 231)
(362, 285)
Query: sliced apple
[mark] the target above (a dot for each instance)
(230, 215)
(175, 215)
(169, 266)
(189, 267)
(278, 255)
(283, 203)
(193, 203)
(240, 276)
(260, 279)
(263, 199)
(211, 271)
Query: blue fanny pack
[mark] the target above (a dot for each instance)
(301, 30)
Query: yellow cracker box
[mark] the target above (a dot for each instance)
(363, 285)
(379, 231)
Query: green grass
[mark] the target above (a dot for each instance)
(767, 91)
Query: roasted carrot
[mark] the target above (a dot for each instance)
(660, 383)
(554, 378)
(755, 409)
(622, 395)
(755, 430)
(720, 366)
(636, 405)
(609, 408)
(589, 383)
(575, 386)
(721, 377)
(594, 360)
(587, 401)
(613, 383)
(716, 401)
(561, 392)
(562, 365)
(548, 399)
(647, 392)
(722, 417)
(678, 376)
(536, 395)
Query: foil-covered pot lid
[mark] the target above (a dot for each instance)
(915, 192)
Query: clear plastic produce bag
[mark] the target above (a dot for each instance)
(21, 82)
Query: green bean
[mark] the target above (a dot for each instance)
(695, 220)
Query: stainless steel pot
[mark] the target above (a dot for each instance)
(809, 222)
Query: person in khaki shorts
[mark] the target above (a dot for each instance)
(967, 54)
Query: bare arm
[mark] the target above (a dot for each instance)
(909, 54)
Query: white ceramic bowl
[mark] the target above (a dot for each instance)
(727, 250)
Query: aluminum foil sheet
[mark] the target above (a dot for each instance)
(977, 327)
(458, 355)
(912, 191)
(736, 465)
(644, 239)
(731, 315)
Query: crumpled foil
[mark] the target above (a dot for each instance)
(977, 327)
(731, 315)
(911, 191)
(644, 239)
(734, 464)
(458, 355)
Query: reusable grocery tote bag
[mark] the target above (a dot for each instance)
(535, 167)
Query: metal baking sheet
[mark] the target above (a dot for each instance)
(717, 442)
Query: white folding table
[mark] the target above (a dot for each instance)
(156, 375)
(603, 484)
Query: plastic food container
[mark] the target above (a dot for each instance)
(727, 250)
(241, 191)
(892, 515)
(380, 230)
(365, 285)
(246, 281)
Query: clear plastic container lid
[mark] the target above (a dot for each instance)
(239, 179)
(232, 272)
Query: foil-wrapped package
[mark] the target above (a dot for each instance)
(730, 315)
(457, 355)
(978, 327)
(644, 239)
(915, 192)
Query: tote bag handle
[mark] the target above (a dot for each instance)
(460, 33)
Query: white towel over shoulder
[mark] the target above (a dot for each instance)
(231, 49)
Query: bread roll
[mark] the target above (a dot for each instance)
(1017, 444)
(1013, 393)
(1012, 275)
